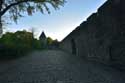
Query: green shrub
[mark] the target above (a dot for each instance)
(13, 45)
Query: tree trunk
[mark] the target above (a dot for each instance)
(1, 30)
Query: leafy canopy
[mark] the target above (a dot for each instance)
(16, 8)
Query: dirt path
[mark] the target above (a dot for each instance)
(54, 66)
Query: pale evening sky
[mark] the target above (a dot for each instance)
(59, 23)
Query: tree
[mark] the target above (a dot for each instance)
(49, 40)
(15, 8)
(23, 38)
(10, 48)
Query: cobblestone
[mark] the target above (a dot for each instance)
(54, 66)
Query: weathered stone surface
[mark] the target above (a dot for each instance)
(102, 36)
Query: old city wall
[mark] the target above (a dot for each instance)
(102, 36)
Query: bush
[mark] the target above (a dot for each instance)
(13, 45)
(7, 52)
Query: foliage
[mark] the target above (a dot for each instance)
(13, 45)
(16, 8)
(37, 44)
(17, 44)
(20, 38)
(49, 41)
(52, 44)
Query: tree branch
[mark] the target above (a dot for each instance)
(16, 3)
(1, 2)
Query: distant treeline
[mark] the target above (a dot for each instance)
(13, 45)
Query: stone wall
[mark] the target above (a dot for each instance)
(102, 36)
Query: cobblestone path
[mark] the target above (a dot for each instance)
(57, 67)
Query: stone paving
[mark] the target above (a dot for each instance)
(52, 66)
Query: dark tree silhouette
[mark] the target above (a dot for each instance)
(15, 8)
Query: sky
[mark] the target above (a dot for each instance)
(59, 23)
